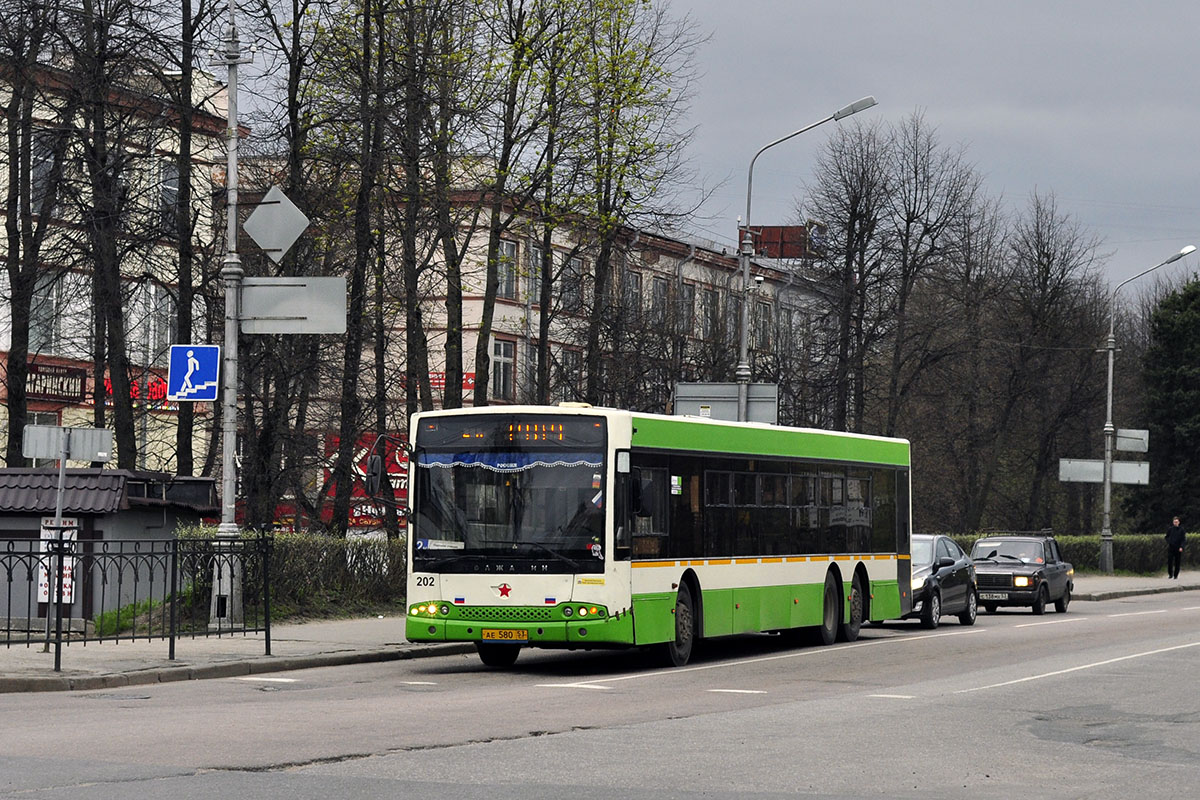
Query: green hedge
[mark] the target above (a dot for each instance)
(1144, 554)
(324, 575)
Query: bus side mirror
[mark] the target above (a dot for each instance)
(374, 477)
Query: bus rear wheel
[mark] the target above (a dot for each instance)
(498, 655)
(848, 631)
(831, 611)
(678, 652)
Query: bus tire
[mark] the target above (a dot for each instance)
(498, 655)
(848, 631)
(678, 651)
(831, 611)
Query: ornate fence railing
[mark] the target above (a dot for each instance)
(58, 592)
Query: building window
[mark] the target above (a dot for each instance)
(659, 289)
(533, 283)
(711, 309)
(41, 164)
(733, 317)
(168, 193)
(571, 374)
(503, 355)
(45, 332)
(633, 292)
(529, 371)
(158, 328)
(572, 284)
(506, 271)
(687, 308)
(762, 326)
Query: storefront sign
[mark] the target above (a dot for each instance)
(54, 382)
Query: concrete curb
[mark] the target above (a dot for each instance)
(226, 669)
(1116, 594)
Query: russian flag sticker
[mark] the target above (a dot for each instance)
(550, 601)
(458, 601)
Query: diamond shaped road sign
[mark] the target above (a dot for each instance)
(276, 224)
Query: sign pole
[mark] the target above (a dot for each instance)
(64, 438)
(231, 273)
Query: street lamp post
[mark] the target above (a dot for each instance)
(746, 250)
(1110, 432)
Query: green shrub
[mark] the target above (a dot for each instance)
(321, 575)
(1143, 554)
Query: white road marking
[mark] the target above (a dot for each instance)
(419, 683)
(270, 680)
(1139, 613)
(894, 696)
(1080, 667)
(1050, 622)
(762, 660)
(571, 686)
(1191, 608)
(738, 691)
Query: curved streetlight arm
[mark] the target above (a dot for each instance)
(841, 113)
(746, 250)
(1185, 251)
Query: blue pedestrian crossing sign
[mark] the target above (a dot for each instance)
(192, 375)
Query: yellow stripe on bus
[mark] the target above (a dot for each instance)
(718, 562)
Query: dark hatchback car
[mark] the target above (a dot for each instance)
(1022, 571)
(943, 581)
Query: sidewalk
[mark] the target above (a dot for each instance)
(102, 665)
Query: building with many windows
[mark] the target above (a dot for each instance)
(65, 211)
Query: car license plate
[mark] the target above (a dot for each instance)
(505, 635)
(993, 595)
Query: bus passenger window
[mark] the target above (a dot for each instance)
(649, 511)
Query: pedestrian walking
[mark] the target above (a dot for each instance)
(1174, 538)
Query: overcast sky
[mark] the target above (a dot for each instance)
(1097, 102)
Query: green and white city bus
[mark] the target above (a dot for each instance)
(581, 527)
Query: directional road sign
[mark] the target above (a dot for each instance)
(192, 375)
(1091, 470)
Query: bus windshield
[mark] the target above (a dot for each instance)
(522, 496)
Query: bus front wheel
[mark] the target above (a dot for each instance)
(498, 655)
(678, 652)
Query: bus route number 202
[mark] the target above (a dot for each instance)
(425, 580)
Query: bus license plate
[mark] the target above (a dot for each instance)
(993, 595)
(505, 635)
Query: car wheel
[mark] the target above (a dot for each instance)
(1060, 605)
(990, 607)
(932, 611)
(498, 655)
(831, 611)
(678, 652)
(967, 617)
(1043, 596)
(848, 631)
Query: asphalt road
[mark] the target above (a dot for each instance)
(1101, 702)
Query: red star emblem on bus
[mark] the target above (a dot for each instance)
(504, 589)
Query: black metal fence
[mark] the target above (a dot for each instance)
(60, 591)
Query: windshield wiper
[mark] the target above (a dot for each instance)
(575, 565)
(442, 563)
